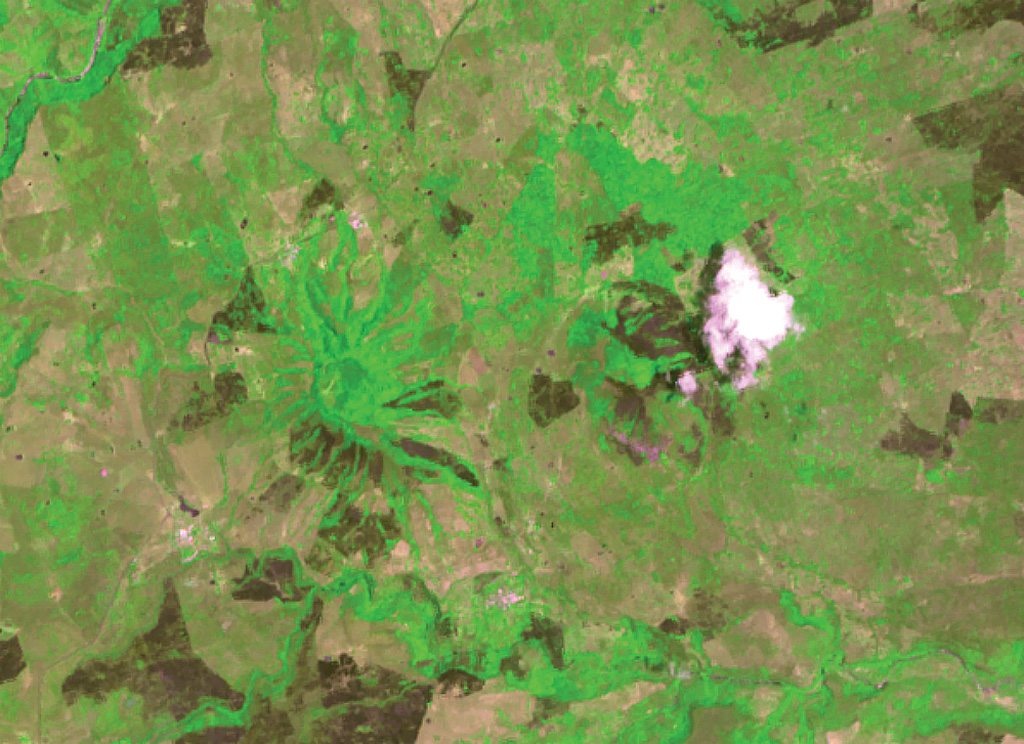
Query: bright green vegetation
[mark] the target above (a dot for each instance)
(338, 378)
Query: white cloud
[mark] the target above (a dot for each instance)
(687, 384)
(745, 317)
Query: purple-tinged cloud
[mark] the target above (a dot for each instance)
(687, 384)
(745, 317)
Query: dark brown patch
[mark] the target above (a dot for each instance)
(282, 492)
(347, 461)
(769, 30)
(546, 709)
(958, 419)
(200, 410)
(178, 686)
(168, 639)
(1018, 523)
(379, 705)
(158, 665)
(709, 271)
(549, 400)
(512, 664)
(653, 323)
(212, 402)
(632, 423)
(706, 289)
(631, 229)
(439, 457)
(633, 432)
(706, 612)
(693, 456)
(992, 123)
(304, 685)
(549, 633)
(964, 124)
(406, 83)
(483, 580)
(12, 660)
(1001, 167)
(270, 578)
(213, 735)
(351, 532)
(760, 237)
(432, 398)
(230, 389)
(674, 626)
(245, 312)
(323, 194)
(94, 679)
(339, 681)
(967, 15)
(458, 680)
(312, 621)
(913, 441)
(181, 44)
(405, 235)
(375, 468)
(974, 734)
(319, 449)
(445, 628)
(999, 410)
(184, 506)
(269, 725)
(454, 219)
(712, 405)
